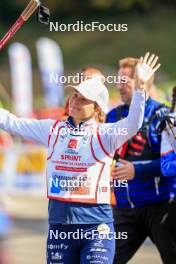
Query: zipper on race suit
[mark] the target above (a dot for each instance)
(128, 197)
(119, 164)
(157, 180)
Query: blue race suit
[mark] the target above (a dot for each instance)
(168, 166)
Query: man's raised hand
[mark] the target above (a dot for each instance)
(145, 70)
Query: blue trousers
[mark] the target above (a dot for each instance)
(81, 244)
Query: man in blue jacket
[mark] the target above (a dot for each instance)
(168, 167)
(142, 204)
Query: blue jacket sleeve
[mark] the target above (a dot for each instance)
(168, 164)
(148, 170)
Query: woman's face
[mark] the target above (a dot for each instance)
(81, 108)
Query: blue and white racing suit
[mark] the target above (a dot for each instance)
(168, 157)
(168, 166)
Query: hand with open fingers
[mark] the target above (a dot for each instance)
(145, 70)
(125, 172)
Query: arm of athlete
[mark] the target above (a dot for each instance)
(29, 129)
(118, 133)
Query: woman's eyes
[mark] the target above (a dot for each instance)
(84, 100)
(75, 95)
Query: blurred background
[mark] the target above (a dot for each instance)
(26, 89)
